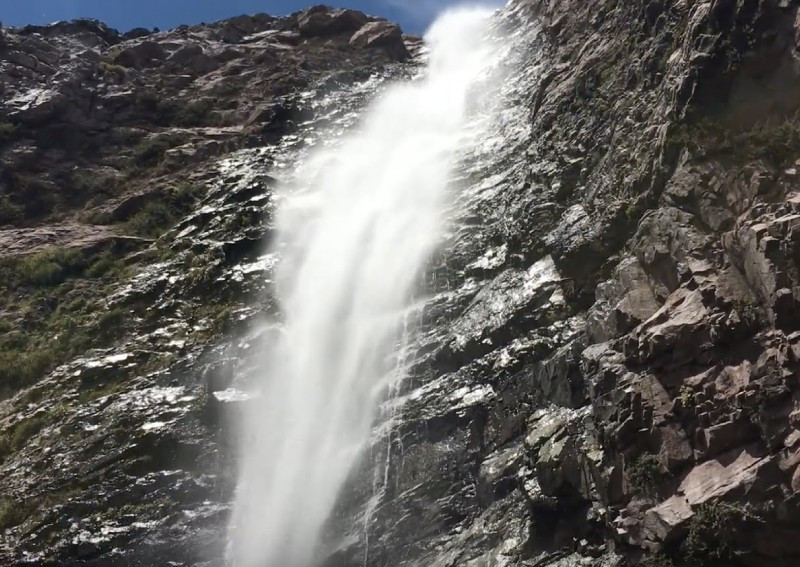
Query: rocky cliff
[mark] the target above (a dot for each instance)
(606, 368)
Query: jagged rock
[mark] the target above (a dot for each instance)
(382, 35)
(677, 329)
(144, 54)
(136, 33)
(322, 21)
(192, 58)
(741, 471)
(622, 303)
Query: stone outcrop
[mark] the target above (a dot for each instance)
(81, 94)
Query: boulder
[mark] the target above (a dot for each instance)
(23, 60)
(381, 35)
(231, 33)
(322, 21)
(734, 472)
(144, 54)
(193, 59)
(136, 33)
(678, 330)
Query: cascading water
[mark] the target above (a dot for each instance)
(355, 233)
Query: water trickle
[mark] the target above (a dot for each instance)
(355, 232)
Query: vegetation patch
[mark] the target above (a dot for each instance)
(645, 475)
(93, 186)
(10, 212)
(7, 131)
(777, 140)
(160, 214)
(34, 195)
(656, 560)
(168, 112)
(47, 268)
(16, 437)
(51, 310)
(150, 152)
(13, 513)
(713, 533)
(197, 113)
(118, 72)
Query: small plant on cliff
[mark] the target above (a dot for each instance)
(773, 138)
(118, 72)
(34, 191)
(645, 475)
(10, 212)
(195, 113)
(657, 560)
(713, 530)
(13, 513)
(16, 437)
(686, 395)
(750, 313)
(7, 131)
(160, 214)
(50, 267)
(150, 152)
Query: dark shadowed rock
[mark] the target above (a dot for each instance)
(136, 33)
(323, 21)
(144, 54)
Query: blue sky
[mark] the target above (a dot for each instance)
(413, 15)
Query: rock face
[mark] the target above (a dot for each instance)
(607, 369)
(80, 100)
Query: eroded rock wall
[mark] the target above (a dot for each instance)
(605, 372)
(611, 375)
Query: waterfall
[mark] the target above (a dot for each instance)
(355, 231)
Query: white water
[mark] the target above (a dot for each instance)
(355, 235)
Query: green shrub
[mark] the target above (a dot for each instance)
(14, 513)
(10, 212)
(117, 71)
(112, 319)
(50, 267)
(150, 152)
(161, 111)
(152, 220)
(657, 560)
(645, 475)
(27, 429)
(16, 437)
(19, 369)
(7, 131)
(107, 264)
(193, 113)
(712, 536)
(43, 269)
(93, 184)
(36, 194)
(777, 139)
(161, 213)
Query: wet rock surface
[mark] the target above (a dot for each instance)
(632, 403)
(603, 366)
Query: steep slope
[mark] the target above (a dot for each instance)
(606, 369)
(130, 249)
(610, 368)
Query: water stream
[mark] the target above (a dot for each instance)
(356, 229)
